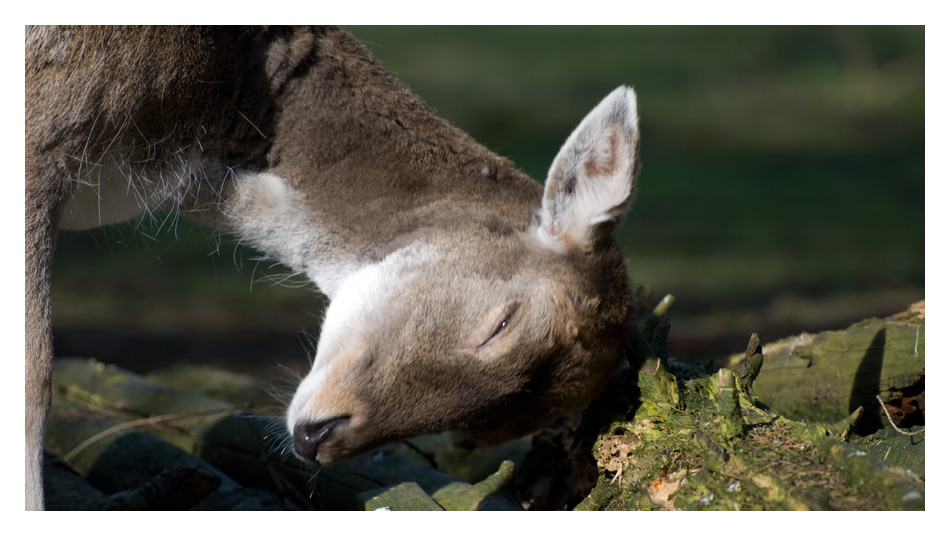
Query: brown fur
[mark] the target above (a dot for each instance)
(184, 110)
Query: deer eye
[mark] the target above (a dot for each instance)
(501, 320)
(501, 325)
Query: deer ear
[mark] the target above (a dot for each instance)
(593, 177)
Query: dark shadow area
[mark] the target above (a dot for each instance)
(867, 382)
(258, 354)
(133, 459)
(238, 444)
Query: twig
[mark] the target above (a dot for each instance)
(131, 424)
(618, 476)
(888, 414)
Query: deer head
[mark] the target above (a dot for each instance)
(478, 327)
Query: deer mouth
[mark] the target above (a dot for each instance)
(308, 436)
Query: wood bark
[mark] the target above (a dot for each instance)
(825, 377)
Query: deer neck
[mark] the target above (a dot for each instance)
(359, 167)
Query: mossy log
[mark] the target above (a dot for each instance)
(407, 496)
(119, 431)
(825, 377)
(668, 436)
(493, 493)
(118, 456)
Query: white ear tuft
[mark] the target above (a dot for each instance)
(593, 177)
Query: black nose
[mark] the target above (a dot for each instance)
(308, 436)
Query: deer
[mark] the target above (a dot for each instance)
(463, 294)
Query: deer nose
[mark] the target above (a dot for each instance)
(308, 436)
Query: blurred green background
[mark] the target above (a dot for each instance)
(782, 188)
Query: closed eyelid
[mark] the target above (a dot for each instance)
(502, 321)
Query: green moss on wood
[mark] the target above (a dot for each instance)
(708, 442)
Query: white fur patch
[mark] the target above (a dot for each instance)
(361, 302)
(270, 215)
